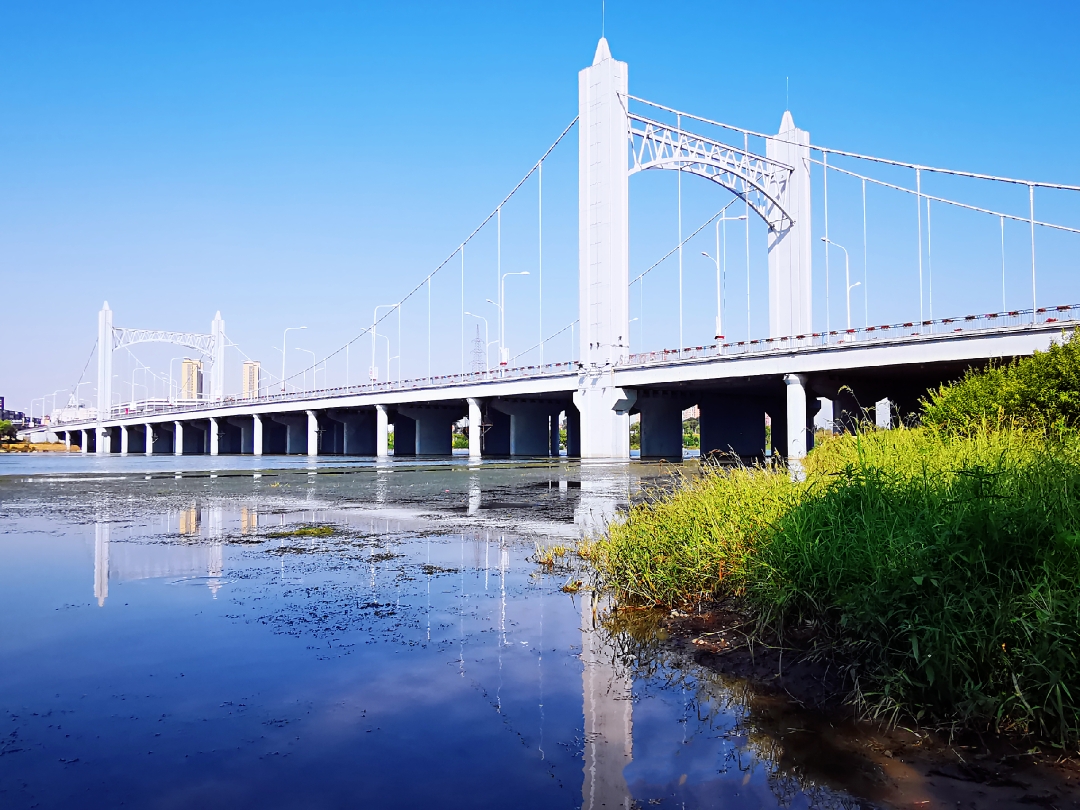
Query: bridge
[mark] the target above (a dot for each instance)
(740, 386)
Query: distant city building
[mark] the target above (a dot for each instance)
(191, 379)
(18, 417)
(252, 378)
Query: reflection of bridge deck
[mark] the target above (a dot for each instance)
(518, 412)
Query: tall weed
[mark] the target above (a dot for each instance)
(949, 564)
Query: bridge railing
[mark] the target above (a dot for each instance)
(845, 337)
(154, 407)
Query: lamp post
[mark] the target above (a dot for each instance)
(487, 343)
(314, 367)
(847, 277)
(721, 277)
(373, 372)
(283, 348)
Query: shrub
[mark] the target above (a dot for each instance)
(1041, 390)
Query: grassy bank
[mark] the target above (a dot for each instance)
(944, 562)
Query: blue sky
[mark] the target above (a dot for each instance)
(297, 164)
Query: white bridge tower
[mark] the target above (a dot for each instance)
(111, 338)
(614, 143)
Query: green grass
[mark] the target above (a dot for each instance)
(947, 565)
(305, 531)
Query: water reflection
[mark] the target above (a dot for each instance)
(419, 606)
(607, 688)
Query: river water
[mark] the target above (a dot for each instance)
(170, 640)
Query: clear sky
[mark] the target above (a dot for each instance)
(297, 164)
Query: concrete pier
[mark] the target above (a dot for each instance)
(661, 424)
(312, 434)
(404, 435)
(796, 425)
(733, 424)
(476, 430)
(433, 428)
(382, 430)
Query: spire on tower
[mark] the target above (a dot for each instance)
(602, 51)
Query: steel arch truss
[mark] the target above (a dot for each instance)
(762, 182)
(203, 344)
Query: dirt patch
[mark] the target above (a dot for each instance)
(35, 447)
(799, 699)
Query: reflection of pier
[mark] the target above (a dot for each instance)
(609, 717)
(117, 561)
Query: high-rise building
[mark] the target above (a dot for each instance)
(252, 378)
(191, 379)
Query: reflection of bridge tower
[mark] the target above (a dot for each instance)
(102, 532)
(609, 718)
(603, 490)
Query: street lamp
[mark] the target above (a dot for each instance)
(487, 343)
(314, 366)
(373, 372)
(847, 277)
(721, 277)
(283, 348)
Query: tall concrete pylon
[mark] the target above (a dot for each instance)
(790, 300)
(603, 255)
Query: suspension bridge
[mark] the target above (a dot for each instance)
(740, 386)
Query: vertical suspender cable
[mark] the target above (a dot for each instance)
(918, 210)
(929, 269)
(825, 178)
(679, 153)
(540, 254)
(865, 276)
(746, 201)
(462, 342)
(1003, 307)
(498, 277)
(1031, 213)
(429, 329)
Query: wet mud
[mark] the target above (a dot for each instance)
(800, 699)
